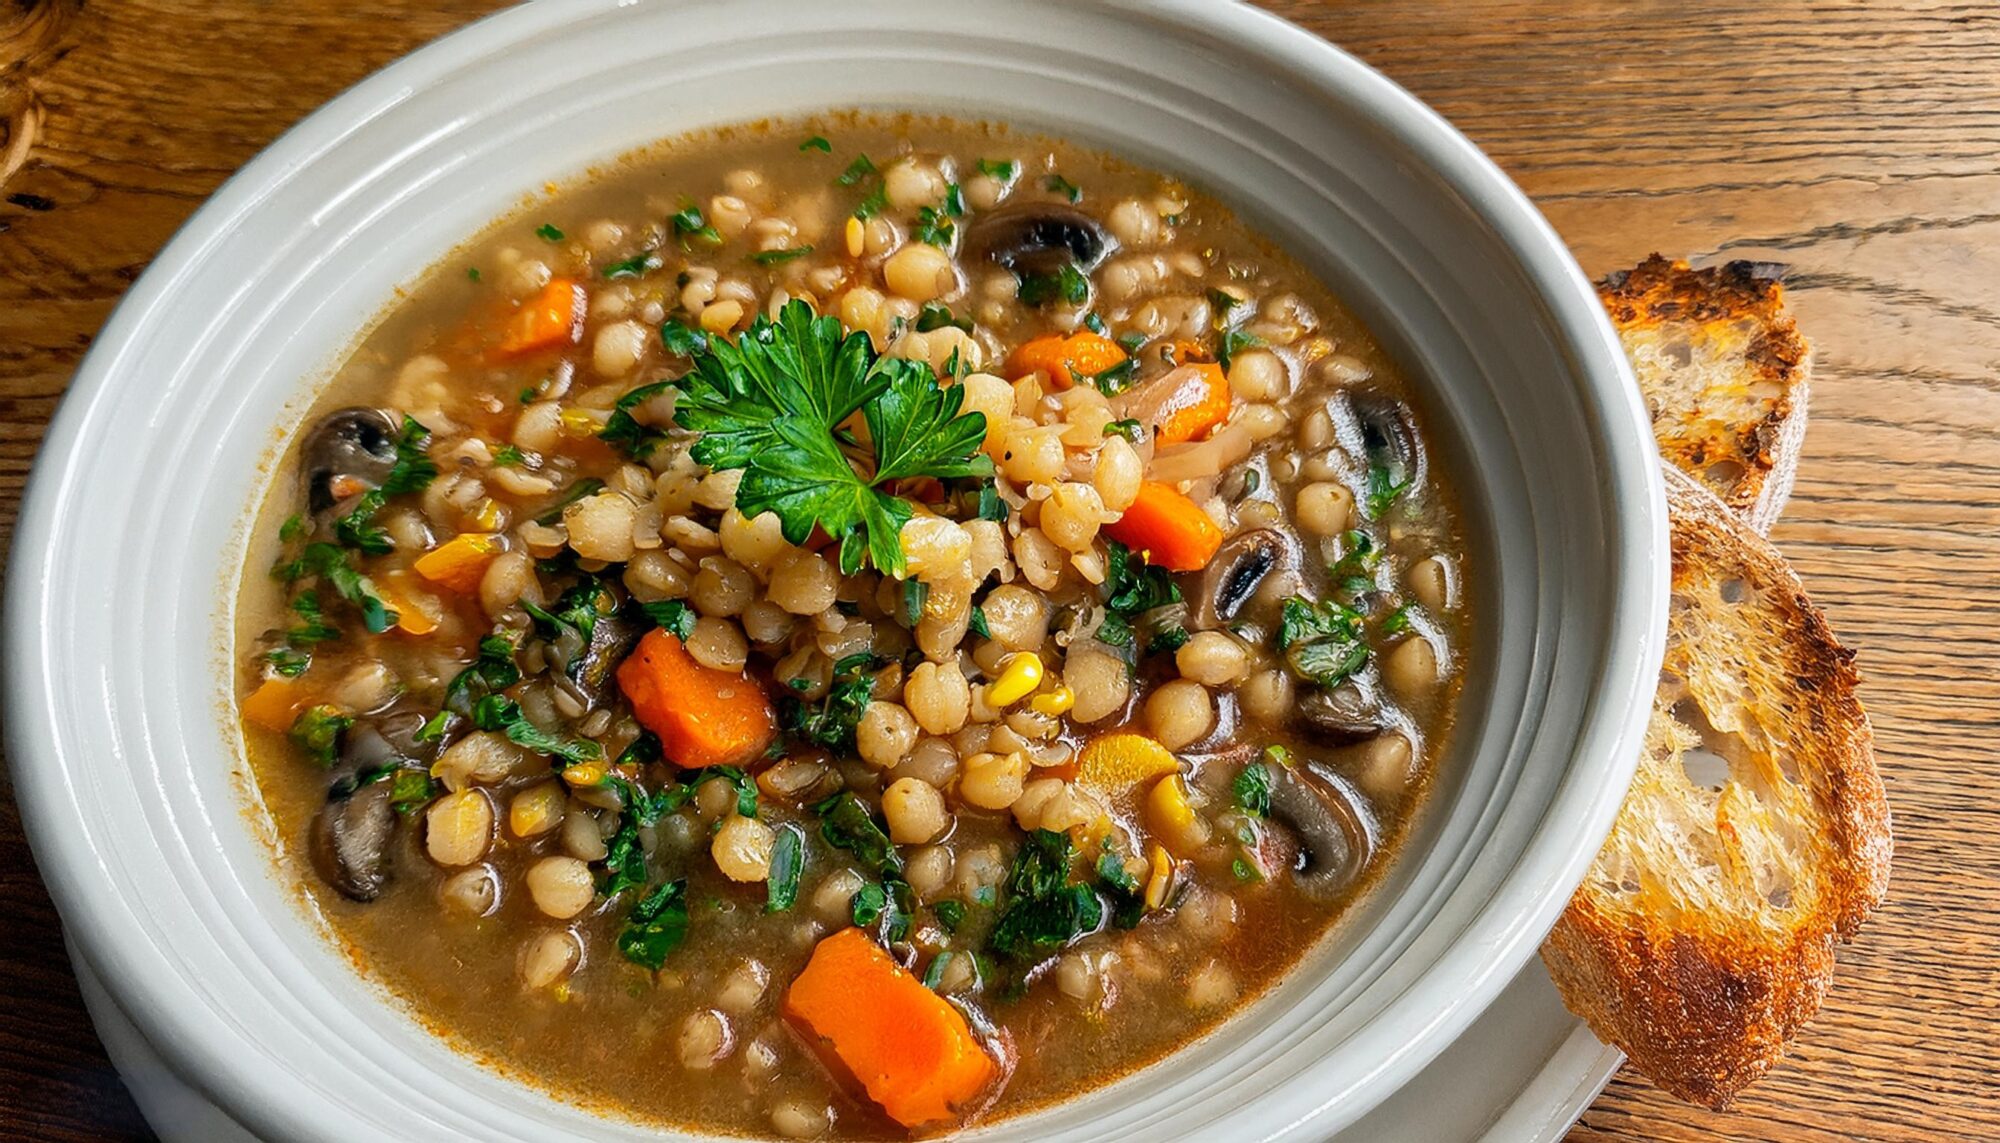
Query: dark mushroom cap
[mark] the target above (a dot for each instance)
(1333, 840)
(1233, 575)
(1388, 433)
(612, 637)
(347, 442)
(1342, 715)
(1037, 238)
(350, 841)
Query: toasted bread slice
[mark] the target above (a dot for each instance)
(1755, 833)
(1724, 371)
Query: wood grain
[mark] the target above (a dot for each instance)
(1858, 143)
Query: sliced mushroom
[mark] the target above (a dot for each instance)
(1233, 575)
(350, 841)
(1333, 842)
(1037, 238)
(1388, 434)
(612, 637)
(1342, 715)
(359, 443)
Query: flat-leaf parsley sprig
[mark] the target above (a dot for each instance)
(773, 403)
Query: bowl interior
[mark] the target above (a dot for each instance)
(121, 595)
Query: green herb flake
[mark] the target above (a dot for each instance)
(317, 731)
(412, 471)
(875, 203)
(1068, 285)
(333, 564)
(1276, 755)
(410, 790)
(287, 662)
(934, 975)
(868, 903)
(691, 227)
(915, 594)
(1064, 187)
(527, 395)
(978, 623)
(935, 316)
(625, 432)
(1167, 640)
(548, 232)
(845, 823)
(637, 266)
(1094, 323)
(509, 456)
(1046, 910)
(862, 167)
(1246, 871)
(1397, 621)
(496, 712)
(832, 722)
(817, 143)
(1005, 170)
(588, 486)
(788, 862)
(472, 273)
(950, 915)
(682, 340)
(1253, 790)
(779, 257)
(954, 200)
(656, 926)
(673, 616)
(293, 528)
(1131, 585)
(934, 227)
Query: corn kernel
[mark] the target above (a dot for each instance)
(1055, 702)
(856, 237)
(1020, 674)
(487, 518)
(583, 774)
(580, 423)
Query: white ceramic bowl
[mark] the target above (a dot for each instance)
(129, 770)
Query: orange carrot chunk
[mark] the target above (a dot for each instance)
(704, 717)
(1167, 529)
(909, 1049)
(460, 562)
(1065, 358)
(275, 703)
(552, 317)
(1196, 401)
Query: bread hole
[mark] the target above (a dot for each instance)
(1705, 768)
(1780, 896)
(1732, 590)
(1723, 472)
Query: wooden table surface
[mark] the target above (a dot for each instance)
(1858, 143)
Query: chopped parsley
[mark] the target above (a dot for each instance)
(772, 402)
(334, 565)
(1046, 911)
(1064, 187)
(656, 926)
(682, 340)
(1233, 342)
(673, 616)
(935, 316)
(861, 168)
(624, 432)
(637, 266)
(950, 914)
(1397, 621)
(1321, 642)
(817, 143)
(978, 623)
(831, 722)
(845, 823)
(548, 232)
(779, 257)
(1131, 585)
(287, 662)
(472, 272)
(496, 712)
(317, 731)
(934, 227)
(1253, 790)
(588, 486)
(509, 456)
(1354, 572)
(1066, 285)
(1006, 170)
(1221, 304)
(1127, 428)
(788, 862)
(690, 227)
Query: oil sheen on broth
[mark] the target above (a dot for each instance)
(1047, 740)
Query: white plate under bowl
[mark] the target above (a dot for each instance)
(120, 596)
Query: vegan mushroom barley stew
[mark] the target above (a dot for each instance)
(850, 628)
